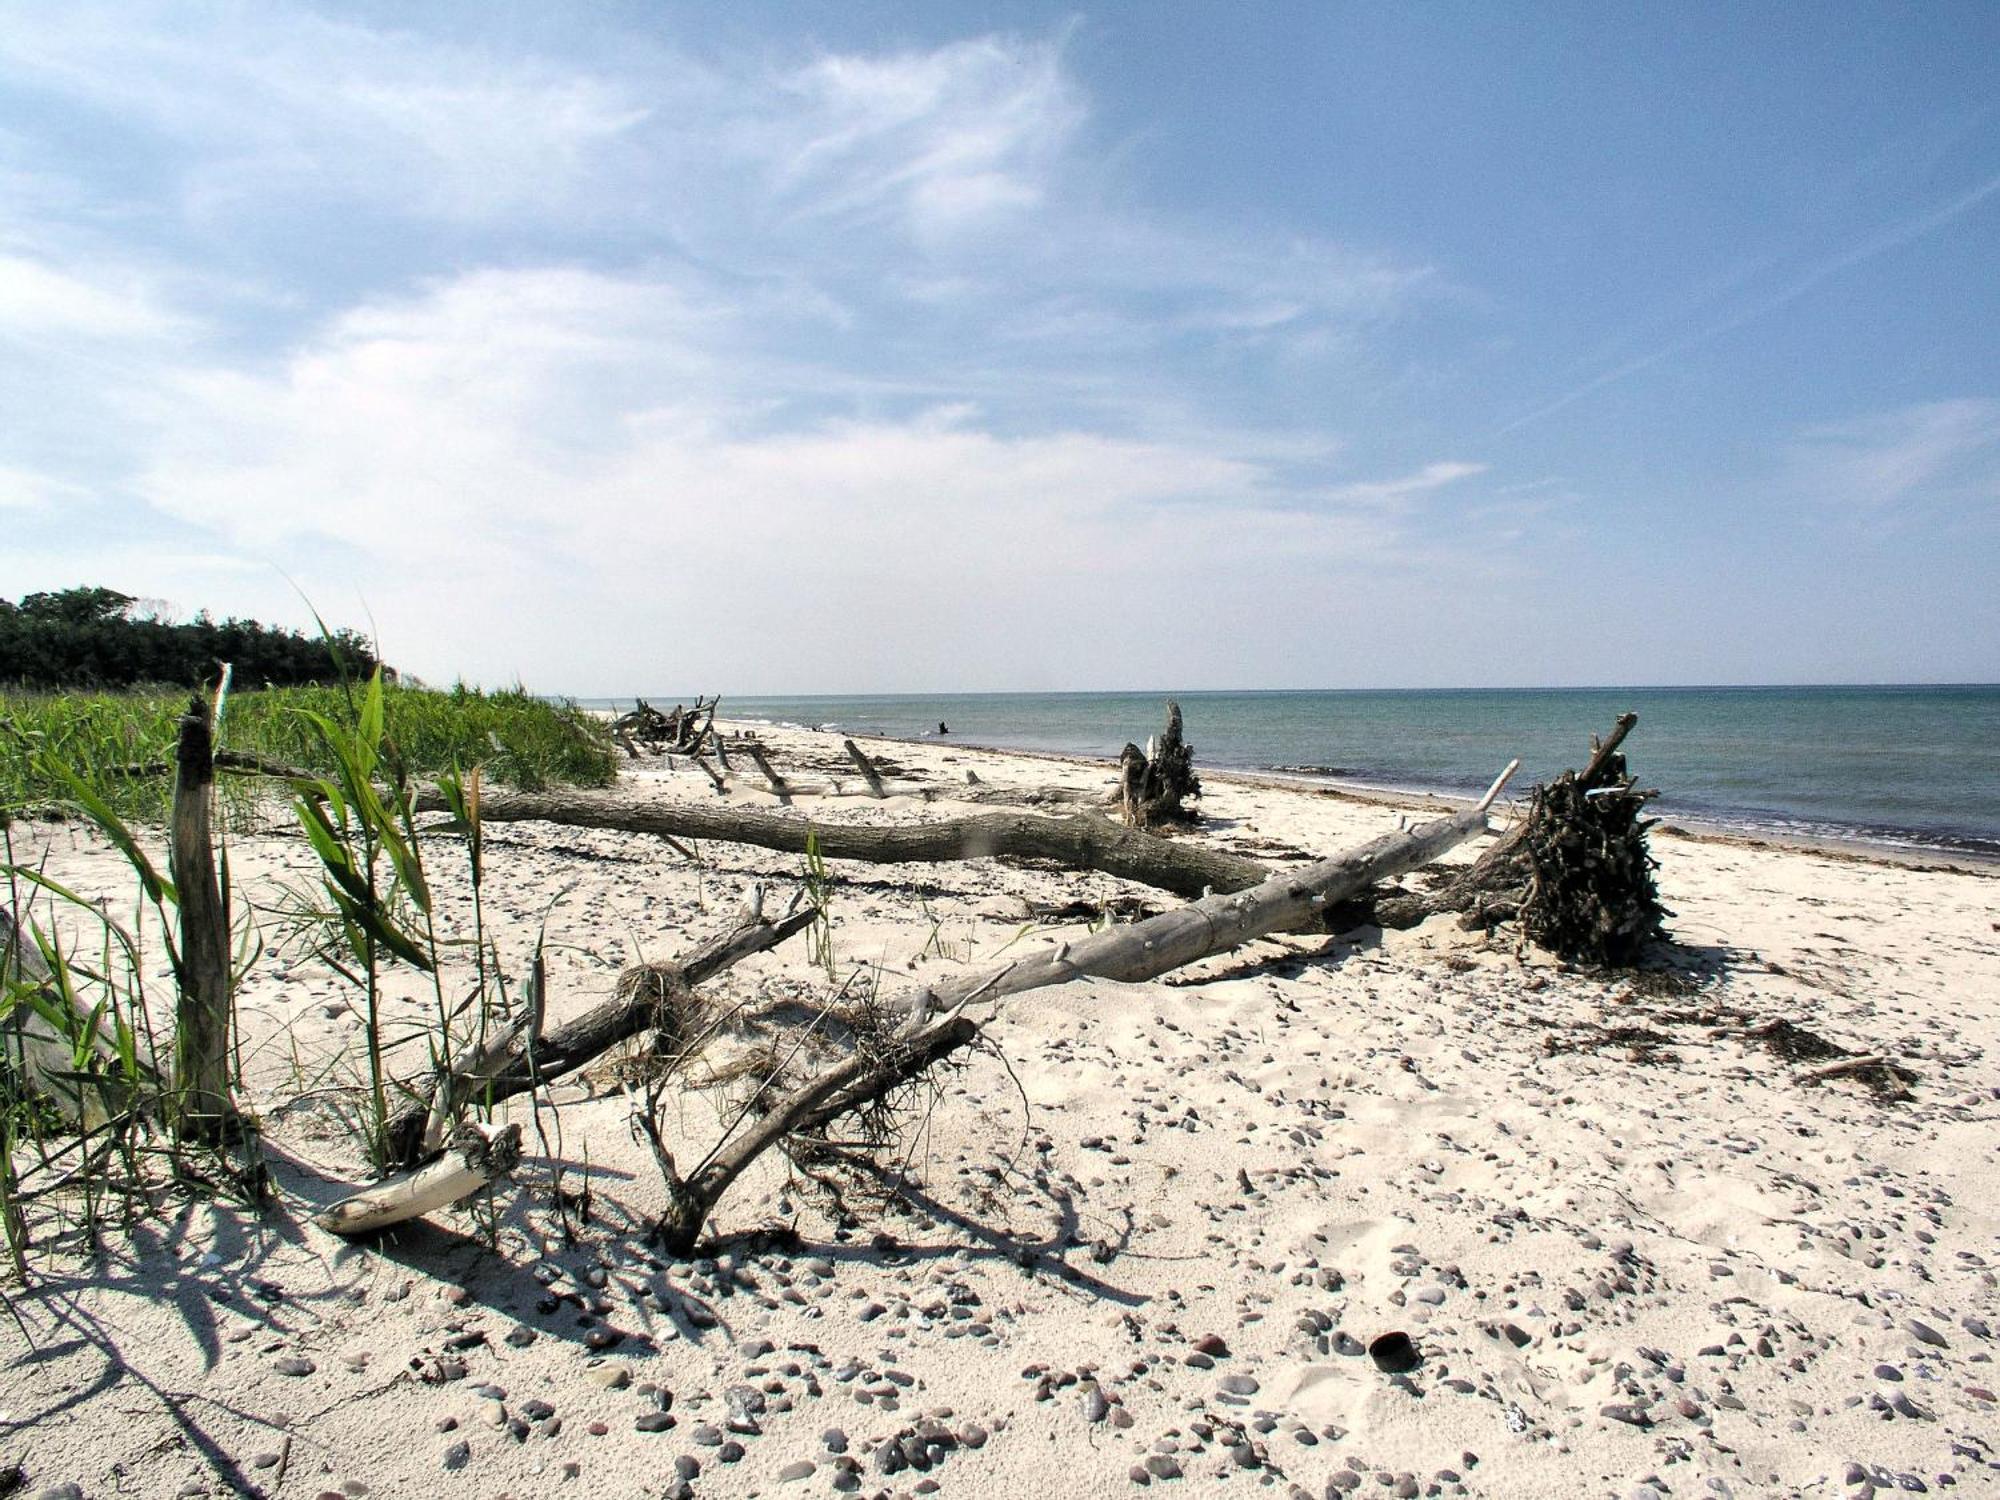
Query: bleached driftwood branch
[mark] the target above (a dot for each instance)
(577, 1042)
(475, 1156)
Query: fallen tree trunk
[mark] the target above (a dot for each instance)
(1287, 902)
(1139, 951)
(1084, 842)
(570, 1046)
(867, 768)
(926, 791)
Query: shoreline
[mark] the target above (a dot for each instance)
(1693, 827)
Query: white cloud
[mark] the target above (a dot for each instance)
(858, 336)
(431, 444)
(43, 300)
(270, 99)
(23, 490)
(1938, 453)
(948, 138)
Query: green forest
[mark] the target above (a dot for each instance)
(94, 638)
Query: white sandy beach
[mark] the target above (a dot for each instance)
(1139, 1245)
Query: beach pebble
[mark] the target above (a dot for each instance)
(294, 1366)
(796, 1470)
(458, 1455)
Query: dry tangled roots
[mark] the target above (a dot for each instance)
(1590, 896)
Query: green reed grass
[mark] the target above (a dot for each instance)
(518, 739)
(370, 911)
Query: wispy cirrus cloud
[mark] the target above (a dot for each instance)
(243, 103)
(946, 139)
(1797, 282)
(1929, 457)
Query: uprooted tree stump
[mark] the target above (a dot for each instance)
(1157, 783)
(1590, 896)
(1576, 871)
(680, 732)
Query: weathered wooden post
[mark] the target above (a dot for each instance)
(201, 1102)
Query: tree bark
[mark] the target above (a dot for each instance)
(1085, 842)
(202, 1106)
(1156, 783)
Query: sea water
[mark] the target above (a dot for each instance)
(1916, 767)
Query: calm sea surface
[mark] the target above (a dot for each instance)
(1911, 766)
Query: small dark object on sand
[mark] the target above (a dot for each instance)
(1394, 1354)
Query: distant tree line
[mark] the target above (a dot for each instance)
(91, 637)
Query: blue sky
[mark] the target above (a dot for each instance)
(844, 347)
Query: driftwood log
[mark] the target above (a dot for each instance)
(680, 732)
(1083, 842)
(935, 1024)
